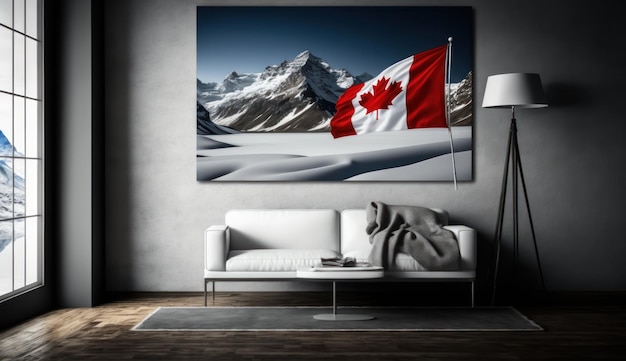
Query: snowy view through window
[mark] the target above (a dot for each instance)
(20, 147)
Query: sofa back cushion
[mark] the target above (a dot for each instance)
(355, 241)
(283, 229)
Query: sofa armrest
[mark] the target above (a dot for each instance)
(466, 237)
(216, 247)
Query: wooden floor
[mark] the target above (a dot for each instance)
(588, 329)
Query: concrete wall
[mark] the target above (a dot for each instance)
(572, 151)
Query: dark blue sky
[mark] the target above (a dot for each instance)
(359, 39)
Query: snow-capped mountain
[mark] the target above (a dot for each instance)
(6, 148)
(12, 194)
(205, 126)
(461, 102)
(208, 92)
(295, 96)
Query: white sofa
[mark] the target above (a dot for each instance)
(270, 244)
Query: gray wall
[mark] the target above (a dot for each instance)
(572, 151)
(76, 95)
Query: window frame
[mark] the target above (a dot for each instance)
(39, 157)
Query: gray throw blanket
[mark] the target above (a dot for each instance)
(416, 231)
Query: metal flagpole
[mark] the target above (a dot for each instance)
(448, 106)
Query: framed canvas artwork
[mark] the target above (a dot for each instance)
(334, 93)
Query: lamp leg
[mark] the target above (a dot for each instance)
(514, 194)
(498, 233)
(530, 219)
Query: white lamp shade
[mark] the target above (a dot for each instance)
(520, 90)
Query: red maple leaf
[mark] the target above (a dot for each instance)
(382, 97)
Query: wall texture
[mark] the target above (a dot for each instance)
(572, 151)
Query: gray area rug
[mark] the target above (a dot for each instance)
(301, 319)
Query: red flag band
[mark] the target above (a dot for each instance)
(408, 94)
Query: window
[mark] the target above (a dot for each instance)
(21, 147)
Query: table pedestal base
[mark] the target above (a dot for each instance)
(342, 317)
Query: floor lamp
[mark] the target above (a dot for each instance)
(514, 90)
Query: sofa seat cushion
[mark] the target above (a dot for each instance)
(275, 260)
(403, 261)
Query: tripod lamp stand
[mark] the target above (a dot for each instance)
(511, 91)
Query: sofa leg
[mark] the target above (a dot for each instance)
(206, 291)
(473, 295)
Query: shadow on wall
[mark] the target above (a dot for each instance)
(117, 204)
(567, 94)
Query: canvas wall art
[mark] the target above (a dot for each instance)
(334, 93)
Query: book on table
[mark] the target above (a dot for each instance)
(339, 262)
(345, 263)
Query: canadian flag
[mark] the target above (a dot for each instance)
(408, 94)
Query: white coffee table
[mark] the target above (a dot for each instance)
(336, 274)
